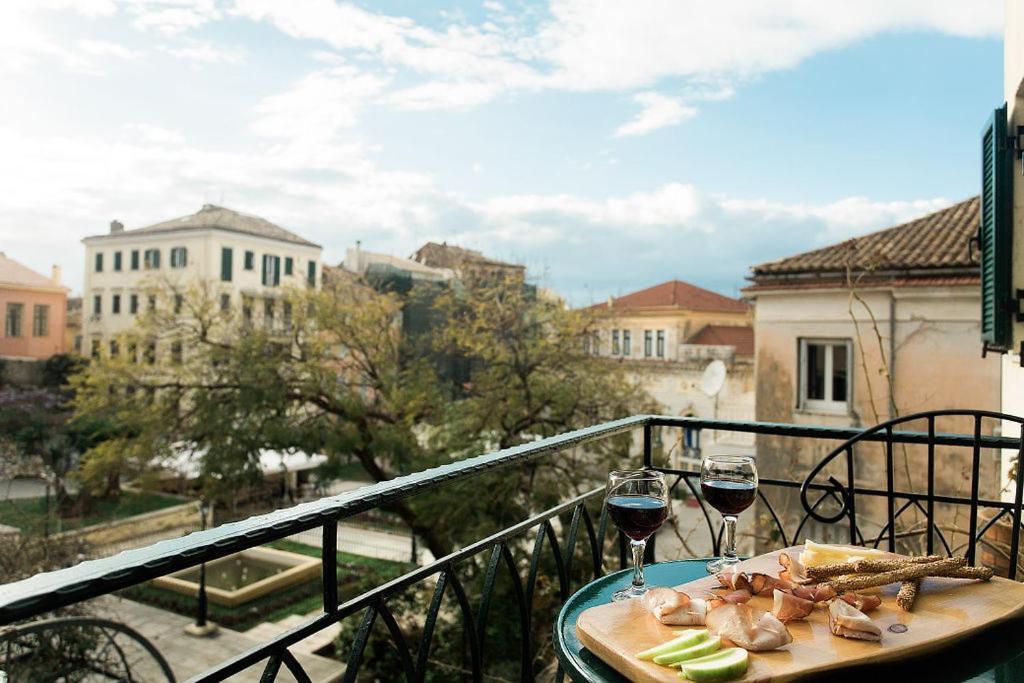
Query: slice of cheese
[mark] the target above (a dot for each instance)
(816, 554)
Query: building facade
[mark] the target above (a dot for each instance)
(34, 309)
(666, 335)
(246, 260)
(854, 334)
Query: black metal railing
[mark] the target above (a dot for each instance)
(834, 503)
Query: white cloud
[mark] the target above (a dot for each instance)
(658, 111)
(616, 45)
(319, 105)
(172, 17)
(205, 53)
(102, 48)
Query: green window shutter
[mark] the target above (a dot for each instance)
(263, 272)
(277, 270)
(225, 264)
(311, 274)
(135, 259)
(995, 233)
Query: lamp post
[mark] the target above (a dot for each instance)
(201, 627)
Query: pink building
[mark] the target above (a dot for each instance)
(34, 309)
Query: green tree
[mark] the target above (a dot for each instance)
(336, 375)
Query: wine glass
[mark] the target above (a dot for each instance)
(729, 484)
(638, 505)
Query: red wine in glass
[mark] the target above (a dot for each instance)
(637, 516)
(728, 496)
(637, 503)
(729, 484)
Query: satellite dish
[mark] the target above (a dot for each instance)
(713, 379)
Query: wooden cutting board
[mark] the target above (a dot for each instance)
(946, 610)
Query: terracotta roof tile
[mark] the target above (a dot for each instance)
(938, 240)
(675, 294)
(741, 337)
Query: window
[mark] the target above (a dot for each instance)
(286, 314)
(825, 374)
(150, 353)
(97, 305)
(268, 312)
(176, 352)
(648, 343)
(179, 257)
(12, 325)
(288, 263)
(152, 302)
(151, 259)
(615, 342)
(311, 274)
(135, 259)
(250, 260)
(133, 304)
(117, 261)
(99, 262)
(95, 351)
(115, 304)
(179, 300)
(626, 338)
(247, 309)
(225, 302)
(133, 352)
(40, 320)
(271, 270)
(226, 256)
(114, 349)
(661, 344)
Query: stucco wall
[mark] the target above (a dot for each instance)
(28, 345)
(937, 364)
(204, 261)
(678, 325)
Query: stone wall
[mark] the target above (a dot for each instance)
(109, 537)
(21, 372)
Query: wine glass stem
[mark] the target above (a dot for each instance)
(638, 562)
(729, 552)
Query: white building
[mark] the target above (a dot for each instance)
(247, 260)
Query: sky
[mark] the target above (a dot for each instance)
(607, 145)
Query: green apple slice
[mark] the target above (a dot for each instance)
(705, 647)
(686, 639)
(724, 665)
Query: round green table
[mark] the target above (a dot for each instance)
(996, 655)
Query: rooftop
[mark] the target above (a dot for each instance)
(446, 255)
(938, 241)
(674, 294)
(217, 217)
(15, 274)
(740, 337)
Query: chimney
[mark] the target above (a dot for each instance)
(55, 274)
(116, 226)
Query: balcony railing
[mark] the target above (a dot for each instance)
(838, 494)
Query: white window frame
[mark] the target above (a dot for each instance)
(828, 404)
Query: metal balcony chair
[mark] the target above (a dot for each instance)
(79, 648)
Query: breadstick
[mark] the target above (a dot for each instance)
(908, 593)
(911, 571)
(866, 566)
(980, 573)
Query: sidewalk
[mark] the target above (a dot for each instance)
(189, 656)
